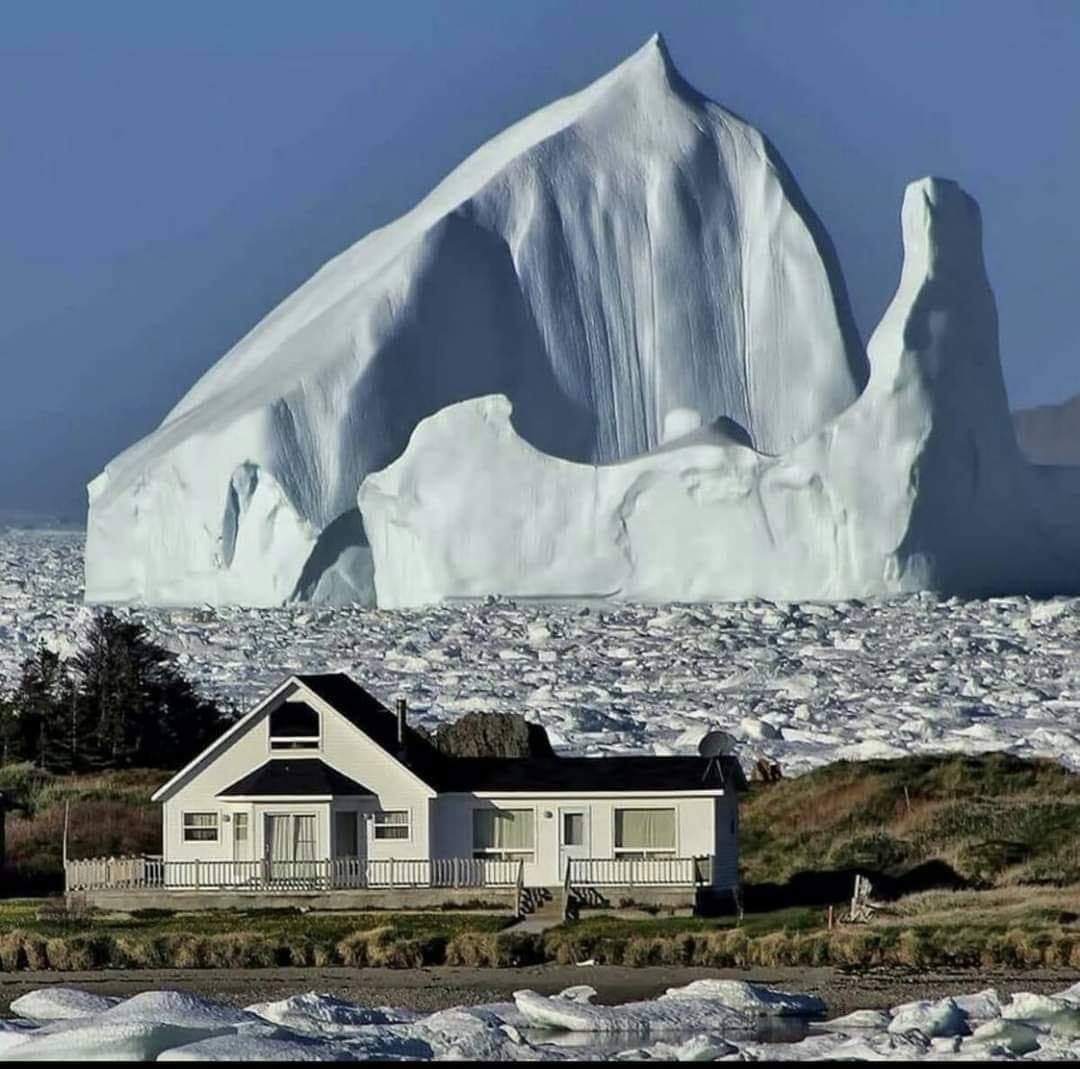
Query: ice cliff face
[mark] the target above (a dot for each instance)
(918, 484)
(626, 265)
(610, 354)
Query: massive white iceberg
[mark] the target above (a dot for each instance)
(609, 356)
(918, 484)
(625, 265)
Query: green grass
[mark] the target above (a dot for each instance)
(994, 819)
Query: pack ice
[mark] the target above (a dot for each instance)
(610, 354)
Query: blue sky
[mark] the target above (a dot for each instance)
(169, 171)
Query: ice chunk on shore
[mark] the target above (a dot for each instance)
(664, 1014)
(97, 1040)
(323, 1014)
(178, 1008)
(60, 1004)
(749, 999)
(933, 1019)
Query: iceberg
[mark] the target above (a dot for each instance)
(918, 484)
(631, 266)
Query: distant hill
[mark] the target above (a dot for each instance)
(1050, 434)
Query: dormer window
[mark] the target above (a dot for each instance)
(294, 726)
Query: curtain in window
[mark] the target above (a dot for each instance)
(304, 845)
(645, 829)
(200, 827)
(279, 837)
(503, 829)
(392, 824)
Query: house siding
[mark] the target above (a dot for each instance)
(341, 746)
(695, 834)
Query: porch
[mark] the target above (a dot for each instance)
(127, 883)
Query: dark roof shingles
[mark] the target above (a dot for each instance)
(619, 773)
(293, 776)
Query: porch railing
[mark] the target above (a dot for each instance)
(640, 871)
(265, 876)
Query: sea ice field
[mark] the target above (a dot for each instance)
(707, 1020)
(799, 684)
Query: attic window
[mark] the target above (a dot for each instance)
(294, 726)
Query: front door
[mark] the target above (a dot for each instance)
(573, 837)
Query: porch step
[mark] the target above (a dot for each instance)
(541, 903)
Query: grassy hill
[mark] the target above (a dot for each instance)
(991, 820)
(111, 814)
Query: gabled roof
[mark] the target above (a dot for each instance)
(619, 774)
(294, 777)
(442, 773)
(364, 711)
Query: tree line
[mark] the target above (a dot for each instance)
(120, 702)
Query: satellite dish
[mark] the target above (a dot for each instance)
(716, 744)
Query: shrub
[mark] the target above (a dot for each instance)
(191, 952)
(914, 948)
(72, 953)
(240, 950)
(20, 949)
(386, 947)
(471, 949)
(644, 951)
(772, 949)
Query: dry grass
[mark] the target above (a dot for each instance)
(993, 819)
(997, 906)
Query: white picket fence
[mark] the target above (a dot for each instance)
(658, 871)
(263, 876)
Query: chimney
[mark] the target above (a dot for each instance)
(401, 723)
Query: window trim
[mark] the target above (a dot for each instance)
(296, 744)
(645, 852)
(185, 827)
(376, 824)
(503, 853)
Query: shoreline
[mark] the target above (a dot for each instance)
(440, 987)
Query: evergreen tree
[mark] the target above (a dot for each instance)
(143, 711)
(120, 702)
(37, 705)
(10, 745)
(74, 735)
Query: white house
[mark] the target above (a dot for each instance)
(320, 788)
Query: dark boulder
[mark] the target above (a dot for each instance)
(492, 735)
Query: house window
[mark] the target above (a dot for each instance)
(294, 726)
(200, 827)
(504, 834)
(240, 827)
(644, 832)
(291, 845)
(573, 829)
(392, 824)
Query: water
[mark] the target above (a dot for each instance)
(604, 1045)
